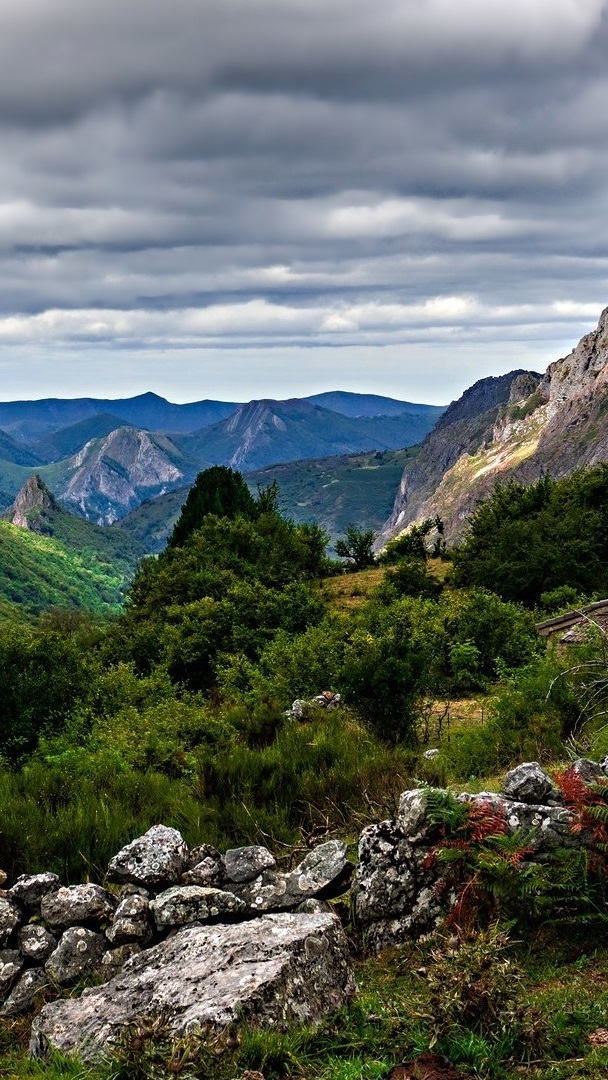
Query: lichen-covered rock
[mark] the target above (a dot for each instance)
(385, 880)
(412, 816)
(29, 889)
(79, 953)
(246, 863)
(23, 994)
(158, 858)
(11, 962)
(183, 904)
(36, 942)
(323, 873)
(132, 921)
(545, 827)
(589, 771)
(209, 872)
(74, 904)
(9, 919)
(528, 783)
(267, 972)
(114, 960)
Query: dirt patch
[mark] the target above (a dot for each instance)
(426, 1067)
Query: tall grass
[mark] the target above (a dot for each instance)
(325, 775)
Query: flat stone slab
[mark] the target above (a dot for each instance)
(267, 972)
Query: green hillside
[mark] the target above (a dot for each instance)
(336, 491)
(332, 491)
(41, 571)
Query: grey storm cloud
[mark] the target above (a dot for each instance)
(349, 188)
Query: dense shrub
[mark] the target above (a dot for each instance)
(522, 542)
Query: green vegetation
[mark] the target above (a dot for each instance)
(40, 571)
(337, 491)
(176, 711)
(523, 542)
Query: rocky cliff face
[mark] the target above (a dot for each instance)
(556, 424)
(465, 428)
(32, 505)
(110, 476)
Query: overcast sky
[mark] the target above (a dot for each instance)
(248, 198)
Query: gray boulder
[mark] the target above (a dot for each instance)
(208, 872)
(11, 962)
(545, 827)
(412, 817)
(588, 770)
(385, 881)
(114, 960)
(87, 903)
(23, 994)
(156, 859)
(196, 855)
(267, 972)
(79, 953)
(9, 918)
(36, 942)
(323, 873)
(183, 904)
(246, 863)
(29, 889)
(132, 921)
(528, 783)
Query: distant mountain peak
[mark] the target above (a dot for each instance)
(33, 497)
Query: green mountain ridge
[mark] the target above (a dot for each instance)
(52, 558)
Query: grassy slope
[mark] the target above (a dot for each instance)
(41, 571)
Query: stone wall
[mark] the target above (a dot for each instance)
(204, 938)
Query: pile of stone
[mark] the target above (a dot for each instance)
(207, 940)
(53, 936)
(401, 892)
(301, 708)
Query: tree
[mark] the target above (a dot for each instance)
(220, 491)
(358, 546)
(413, 543)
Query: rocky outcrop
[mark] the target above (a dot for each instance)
(401, 890)
(556, 424)
(466, 426)
(32, 505)
(111, 476)
(268, 972)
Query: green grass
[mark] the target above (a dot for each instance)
(557, 1006)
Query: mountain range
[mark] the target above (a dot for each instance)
(104, 458)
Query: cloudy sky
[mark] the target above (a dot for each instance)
(246, 198)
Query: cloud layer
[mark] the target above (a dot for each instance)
(353, 194)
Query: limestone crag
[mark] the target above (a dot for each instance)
(112, 475)
(34, 501)
(466, 427)
(556, 423)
